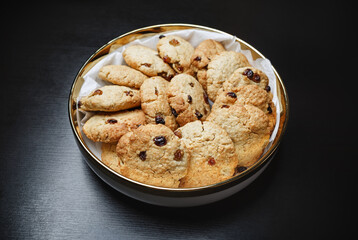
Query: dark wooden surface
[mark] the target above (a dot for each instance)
(48, 192)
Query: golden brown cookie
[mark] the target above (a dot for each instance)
(153, 155)
(111, 98)
(246, 76)
(206, 51)
(155, 104)
(212, 154)
(111, 127)
(248, 94)
(202, 78)
(147, 61)
(221, 68)
(175, 51)
(187, 99)
(122, 75)
(109, 156)
(248, 127)
(203, 54)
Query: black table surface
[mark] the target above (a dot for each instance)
(47, 191)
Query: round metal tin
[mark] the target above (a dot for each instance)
(173, 197)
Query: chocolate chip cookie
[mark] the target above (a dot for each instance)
(212, 154)
(155, 104)
(153, 155)
(111, 127)
(187, 99)
(111, 98)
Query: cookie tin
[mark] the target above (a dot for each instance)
(172, 197)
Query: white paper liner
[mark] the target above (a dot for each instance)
(194, 36)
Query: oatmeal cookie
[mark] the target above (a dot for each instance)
(246, 76)
(154, 102)
(147, 61)
(206, 51)
(221, 68)
(202, 78)
(111, 127)
(212, 154)
(247, 126)
(203, 54)
(122, 75)
(188, 99)
(153, 155)
(248, 94)
(110, 98)
(109, 156)
(175, 51)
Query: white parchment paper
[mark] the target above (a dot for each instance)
(194, 36)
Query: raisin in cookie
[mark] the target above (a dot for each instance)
(111, 127)
(246, 76)
(221, 68)
(212, 154)
(203, 54)
(248, 94)
(175, 51)
(247, 126)
(122, 75)
(111, 98)
(188, 99)
(154, 102)
(109, 156)
(153, 155)
(147, 61)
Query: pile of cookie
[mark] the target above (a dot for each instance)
(155, 121)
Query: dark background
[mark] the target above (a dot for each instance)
(48, 192)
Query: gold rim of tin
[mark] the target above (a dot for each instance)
(162, 28)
